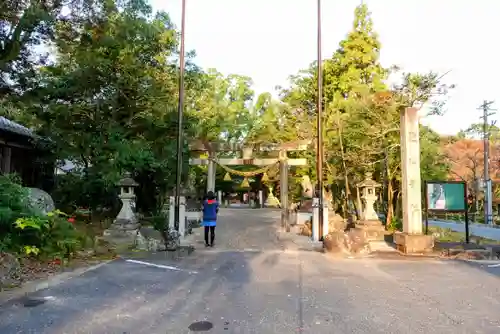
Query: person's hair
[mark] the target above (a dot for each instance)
(210, 195)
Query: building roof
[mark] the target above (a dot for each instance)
(13, 127)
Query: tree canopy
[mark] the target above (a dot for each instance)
(107, 98)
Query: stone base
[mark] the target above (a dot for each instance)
(349, 243)
(125, 224)
(413, 243)
(120, 236)
(370, 230)
(148, 239)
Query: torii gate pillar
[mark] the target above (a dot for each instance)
(284, 189)
(211, 172)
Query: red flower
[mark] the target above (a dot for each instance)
(71, 220)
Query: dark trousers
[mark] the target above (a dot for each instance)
(212, 234)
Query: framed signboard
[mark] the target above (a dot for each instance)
(446, 197)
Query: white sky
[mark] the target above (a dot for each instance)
(269, 40)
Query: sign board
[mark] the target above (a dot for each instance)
(446, 196)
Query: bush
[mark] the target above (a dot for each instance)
(396, 224)
(13, 200)
(53, 235)
(23, 231)
(159, 222)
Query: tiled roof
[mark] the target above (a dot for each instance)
(13, 127)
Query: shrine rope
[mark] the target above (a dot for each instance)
(247, 173)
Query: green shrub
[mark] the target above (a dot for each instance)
(396, 224)
(13, 197)
(50, 236)
(159, 222)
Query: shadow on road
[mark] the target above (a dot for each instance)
(111, 297)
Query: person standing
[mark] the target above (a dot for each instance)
(210, 211)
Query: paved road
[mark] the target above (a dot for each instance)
(249, 284)
(479, 230)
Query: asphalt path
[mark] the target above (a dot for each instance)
(252, 283)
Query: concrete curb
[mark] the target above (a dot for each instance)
(34, 286)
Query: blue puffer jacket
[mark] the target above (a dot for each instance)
(210, 209)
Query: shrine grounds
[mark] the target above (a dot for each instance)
(251, 282)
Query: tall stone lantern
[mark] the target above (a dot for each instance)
(369, 196)
(126, 216)
(125, 226)
(370, 224)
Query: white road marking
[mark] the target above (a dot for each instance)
(494, 265)
(160, 266)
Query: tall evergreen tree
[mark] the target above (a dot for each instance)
(355, 67)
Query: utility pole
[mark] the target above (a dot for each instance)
(180, 112)
(488, 205)
(319, 120)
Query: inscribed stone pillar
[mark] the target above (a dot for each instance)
(411, 240)
(410, 160)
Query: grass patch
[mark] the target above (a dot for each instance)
(447, 235)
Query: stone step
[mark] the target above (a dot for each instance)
(381, 246)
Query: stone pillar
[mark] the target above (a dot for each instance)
(315, 219)
(410, 160)
(211, 172)
(411, 240)
(261, 199)
(219, 197)
(171, 213)
(325, 220)
(182, 216)
(284, 190)
(6, 159)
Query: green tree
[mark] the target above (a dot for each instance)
(24, 27)
(362, 114)
(108, 102)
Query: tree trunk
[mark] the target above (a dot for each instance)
(390, 204)
(399, 212)
(359, 205)
(342, 155)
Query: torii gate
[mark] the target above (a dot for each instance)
(212, 148)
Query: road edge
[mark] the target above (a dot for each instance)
(51, 281)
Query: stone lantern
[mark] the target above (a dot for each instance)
(125, 228)
(126, 218)
(369, 196)
(370, 226)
